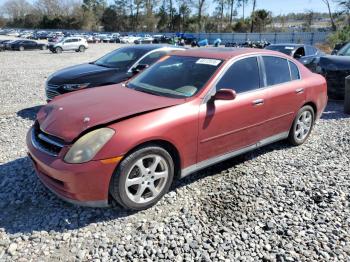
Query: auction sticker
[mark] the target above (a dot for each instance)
(213, 62)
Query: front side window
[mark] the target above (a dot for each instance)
(242, 76)
(277, 70)
(345, 50)
(120, 58)
(176, 76)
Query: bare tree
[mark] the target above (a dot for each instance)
(327, 3)
(199, 6)
(16, 9)
(345, 7)
(252, 17)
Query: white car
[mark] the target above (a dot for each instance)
(78, 44)
(130, 39)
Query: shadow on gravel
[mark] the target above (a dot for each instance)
(29, 113)
(334, 111)
(27, 206)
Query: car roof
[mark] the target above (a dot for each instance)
(293, 45)
(224, 53)
(150, 47)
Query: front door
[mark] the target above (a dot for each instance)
(226, 126)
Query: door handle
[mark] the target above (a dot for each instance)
(258, 102)
(299, 90)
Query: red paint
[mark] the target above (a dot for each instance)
(197, 130)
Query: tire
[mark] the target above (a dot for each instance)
(138, 195)
(21, 48)
(44, 47)
(302, 126)
(81, 48)
(58, 50)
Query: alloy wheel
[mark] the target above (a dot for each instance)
(303, 126)
(146, 178)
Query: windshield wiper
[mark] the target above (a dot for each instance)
(147, 91)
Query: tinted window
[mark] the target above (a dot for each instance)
(121, 58)
(310, 50)
(242, 76)
(277, 70)
(294, 71)
(288, 50)
(152, 57)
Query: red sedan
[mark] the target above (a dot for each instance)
(188, 111)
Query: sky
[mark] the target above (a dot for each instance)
(276, 6)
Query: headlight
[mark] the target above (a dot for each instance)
(88, 146)
(71, 87)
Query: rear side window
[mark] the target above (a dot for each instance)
(242, 76)
(152, 57)
(294, 71)
(310, 50)
(277, 70)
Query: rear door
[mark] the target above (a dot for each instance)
(285, 93)
(227, 126)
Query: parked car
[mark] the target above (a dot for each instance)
(129, 141)
(78, 44)
(306, 54)
(22, 45)
(337, 47)
(112, 68)
(161, 39)
(145, 39)
(335, 68)
(3, 44)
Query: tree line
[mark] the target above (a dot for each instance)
(156, 15)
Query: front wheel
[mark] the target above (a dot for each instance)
(302, 126)
(58, 50)
(44, 47)
(81, 48)
(142, 178)
(21, 48)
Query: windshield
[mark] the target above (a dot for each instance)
(121, 58)
(345, 50)
(176, 76)
(281, 48)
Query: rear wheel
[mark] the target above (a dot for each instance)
(58, 50)
(302, 126)
(21, 48)
(142, 178)
(44, 47)
(81, 48)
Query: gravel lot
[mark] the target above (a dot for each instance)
(279, 203)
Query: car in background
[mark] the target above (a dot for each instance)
(115, 67)
(129, 39)
(3, 44)
(129, 141)
(22, 45)
(306, 54)
(144, 39)
(78, 44)
(335, 68)
(161, 39)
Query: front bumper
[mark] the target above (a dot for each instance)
(84, 184)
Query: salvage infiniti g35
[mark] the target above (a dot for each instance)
(189, 110)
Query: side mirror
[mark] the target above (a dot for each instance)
(137, 69)
(225, 94)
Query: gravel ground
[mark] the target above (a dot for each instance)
(279, 203)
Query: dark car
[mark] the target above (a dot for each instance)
(112, 68)
(335, 68)
(22, 45)
(3, 44)
(306, 54)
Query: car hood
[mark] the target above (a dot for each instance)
(65, 75)
(335, 63)
(69, 115)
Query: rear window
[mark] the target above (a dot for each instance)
(277, 70)
(294, 71)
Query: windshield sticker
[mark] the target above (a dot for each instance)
(212, 62)
(289, 47)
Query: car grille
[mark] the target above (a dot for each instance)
(51, 91)
(45, 142)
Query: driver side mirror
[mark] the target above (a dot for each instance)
(137, 69)
(225, 94)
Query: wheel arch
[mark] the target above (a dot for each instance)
(313, 105)
(168, 146)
